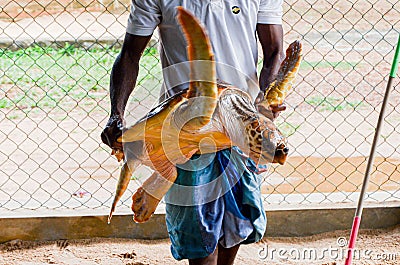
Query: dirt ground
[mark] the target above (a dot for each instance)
(373, 247)
(53, 158)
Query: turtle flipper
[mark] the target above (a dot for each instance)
(147, 197)
(278, 90)
(132, 159)
(124, 178)
(203, 92)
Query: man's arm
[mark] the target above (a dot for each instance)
(122, 82)
(271, 39)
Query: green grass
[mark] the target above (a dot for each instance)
(323, 64)
(44, 77)
(342, 65)
(288, 128)
(4, 103)
(136, 177)
(331, 103)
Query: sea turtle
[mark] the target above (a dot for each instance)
(207, 117)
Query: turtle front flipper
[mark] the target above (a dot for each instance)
(124, 178)
(203, 92)
(133, 153)
(278, 90)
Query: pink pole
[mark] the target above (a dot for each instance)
(352, 241)
(360, 206)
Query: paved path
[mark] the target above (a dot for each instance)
(84, 28)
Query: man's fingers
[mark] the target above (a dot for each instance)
(266, 112)
(118, 153)
(105, 137)
(111, 132)
(273, 111)
(110, 135)
(278, 108)
(259, 98)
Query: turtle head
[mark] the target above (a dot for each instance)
(266, 143)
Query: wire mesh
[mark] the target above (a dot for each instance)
(55, 62)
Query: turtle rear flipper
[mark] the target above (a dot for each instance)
(203, 92)
(147, 197)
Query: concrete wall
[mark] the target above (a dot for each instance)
(301, 222)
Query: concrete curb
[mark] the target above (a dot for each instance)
(306, 222)
(79, 227)
(282, 223)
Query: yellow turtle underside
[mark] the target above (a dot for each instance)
(164, 138)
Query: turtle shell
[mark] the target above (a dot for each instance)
(175, 99)
(163, 105)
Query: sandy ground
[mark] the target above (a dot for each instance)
(373, 246)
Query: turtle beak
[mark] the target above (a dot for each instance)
(281, 153)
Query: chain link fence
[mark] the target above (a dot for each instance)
(55, 62)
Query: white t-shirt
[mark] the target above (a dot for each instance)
(231, 27)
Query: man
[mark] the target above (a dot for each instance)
(209, 232)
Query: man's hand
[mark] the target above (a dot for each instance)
(272, 112)
(111, 133)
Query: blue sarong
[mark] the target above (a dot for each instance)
(215, 199)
